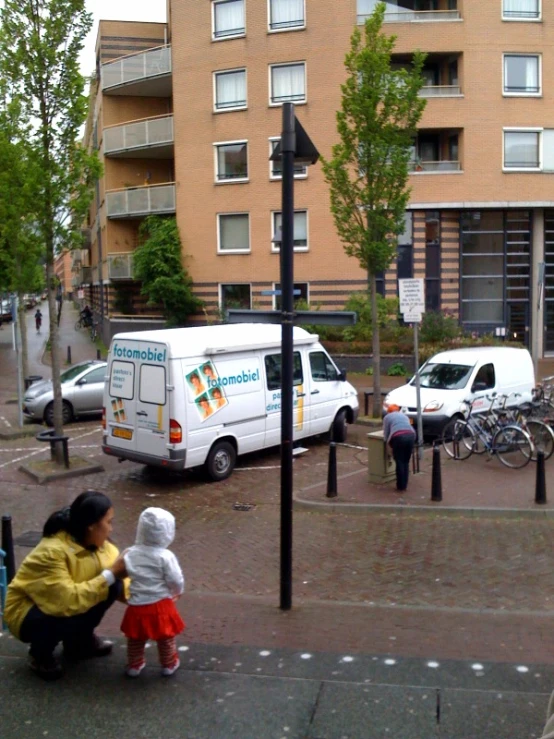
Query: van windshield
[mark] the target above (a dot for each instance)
(444, 376)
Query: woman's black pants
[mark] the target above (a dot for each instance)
(45, 632)
(402, 448)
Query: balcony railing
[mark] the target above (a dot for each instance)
(134, 202)
(441, 166)
(86, 233)
(139, 135)
(120, 266)
(415, 16)
(135, 67)
(434, 91)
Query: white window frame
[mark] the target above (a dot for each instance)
(511, 129)
(276, 249)
(235, 180)
(297, 282)
(505, 92)
(287, 64)
(522, 19)
(218, 229)
(277, 177)
(220, 292)
(214, 83)
(287, 29)
(231, 36)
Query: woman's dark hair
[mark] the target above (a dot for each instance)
(87, 509)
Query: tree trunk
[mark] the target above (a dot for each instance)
(54, 352)
(377, 405)
(23, 329)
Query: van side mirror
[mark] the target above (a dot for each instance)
(478, 387)
(341, 376)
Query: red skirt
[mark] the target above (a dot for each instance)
(155, 621)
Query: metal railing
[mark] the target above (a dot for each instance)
(442, 166)
(139, 134)
(120, 266)
(431, 91)
(135, 67)
(141, 201)
(417, 16)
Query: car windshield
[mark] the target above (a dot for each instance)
(73, 372)
(444, 376)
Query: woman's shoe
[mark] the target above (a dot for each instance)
(48, 668)
(94, 647)
(168, 671)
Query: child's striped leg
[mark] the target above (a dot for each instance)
(169, 659)
(135, 657)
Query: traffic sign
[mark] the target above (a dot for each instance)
(412, 295)
(412, 317)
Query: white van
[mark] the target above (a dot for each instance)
(180, 398)
(449, 378)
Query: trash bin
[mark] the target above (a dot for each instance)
(32, 378)
(380, 468)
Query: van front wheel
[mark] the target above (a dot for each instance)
(339, 430)
(221, 460)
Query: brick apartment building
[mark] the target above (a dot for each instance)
(185, 115)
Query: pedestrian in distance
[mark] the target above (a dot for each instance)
(86, 315)
(38, 320)
(400, 438)
(156, 583)
(66, 584)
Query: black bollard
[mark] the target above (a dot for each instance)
(540, 484)
(69, 355)
(98, 354)
(436, 481)
(332, 471)
(7, 546)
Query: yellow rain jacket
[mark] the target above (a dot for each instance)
(59, 576)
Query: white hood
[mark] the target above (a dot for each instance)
(156, 528)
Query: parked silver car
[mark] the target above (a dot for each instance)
(82, 393)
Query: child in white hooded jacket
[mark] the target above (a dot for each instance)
(156, 582)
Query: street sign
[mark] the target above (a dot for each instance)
(412, 317)
(412, 295)
(80, 294)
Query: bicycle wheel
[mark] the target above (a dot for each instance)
(458, 439)
(542, 438)
(513, 446)
(78, 325)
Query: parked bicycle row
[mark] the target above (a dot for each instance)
(513, 432)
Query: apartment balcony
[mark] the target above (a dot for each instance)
(437, 152)
(410, 11)
(76, 259)
(138, 202)
(86, 233)
(145, 74)
(151, 138)
(440, 73)
(83, 276)
(417, 166)
(120, 266)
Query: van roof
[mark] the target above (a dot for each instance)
(197, 340)
(474, 354)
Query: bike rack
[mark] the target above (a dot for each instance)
(50, 436)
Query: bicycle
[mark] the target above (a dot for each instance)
(83, 323)
(93, 331)
(510, 443)
(540, 432)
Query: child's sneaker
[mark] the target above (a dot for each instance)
(135, 671)
(168, 671)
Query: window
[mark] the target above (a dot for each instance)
(273, 370)
(521, 149)
(233, 232)
(323, 370)
(521, 10)
(97, 375)
(230, 89)
(300, 230)
(432, 261)
(300, 293)
(231, 161)
(288, 83)
(152, 384)
(228, 19)
(485, 374)
(521, 74)
(235, 296)
(122, 380)
(286, 14)
(275, 168)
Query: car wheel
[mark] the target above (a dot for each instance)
(340, 427)
(67, 413)
(221, 460)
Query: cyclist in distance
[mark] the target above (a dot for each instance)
(38, 320)
(86, 314)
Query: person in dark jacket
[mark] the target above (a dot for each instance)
(400, 437)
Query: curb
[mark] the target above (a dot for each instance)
(88, 469)
(18, 433)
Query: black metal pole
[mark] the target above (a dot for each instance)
(540, 480)
(332, 471)
(288, 148)
(436, 480)
(7, 546)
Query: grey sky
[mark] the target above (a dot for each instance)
(125, 10)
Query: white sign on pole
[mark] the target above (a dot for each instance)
(412, 295)
(80, 294)
(411, 317)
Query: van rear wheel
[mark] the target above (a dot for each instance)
(221, 460)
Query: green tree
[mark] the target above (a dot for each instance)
(368, 171)
(158, 264)
(40, 44)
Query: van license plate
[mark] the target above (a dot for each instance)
(123, 433)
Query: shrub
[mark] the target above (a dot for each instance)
(397, 370)
(360, 303)
(437, 327)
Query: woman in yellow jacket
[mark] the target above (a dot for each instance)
(66, 584)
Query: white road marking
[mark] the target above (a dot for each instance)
(26, 456)
(5, 421)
